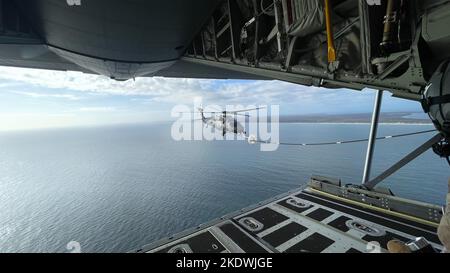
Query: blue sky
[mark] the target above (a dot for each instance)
(31, 98)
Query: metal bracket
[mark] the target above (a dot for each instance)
(380, 199)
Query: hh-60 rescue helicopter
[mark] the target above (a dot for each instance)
(226, 121)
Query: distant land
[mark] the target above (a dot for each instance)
(394, 117)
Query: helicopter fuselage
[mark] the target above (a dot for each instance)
(226, 124)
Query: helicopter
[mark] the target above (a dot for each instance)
(226, 121)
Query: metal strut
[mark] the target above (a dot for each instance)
(370, 184)
(402, 162)
(372, 136)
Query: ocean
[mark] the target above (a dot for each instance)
(117, 188)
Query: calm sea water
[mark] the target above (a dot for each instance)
(114, 189)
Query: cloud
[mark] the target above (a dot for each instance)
(47, 95)
(160, 92)
(86, 99)
(77, 81)
(97, 109)
(166, 90)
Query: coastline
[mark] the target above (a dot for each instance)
(349, 123)
(363, 123)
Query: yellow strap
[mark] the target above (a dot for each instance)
(330, 38)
